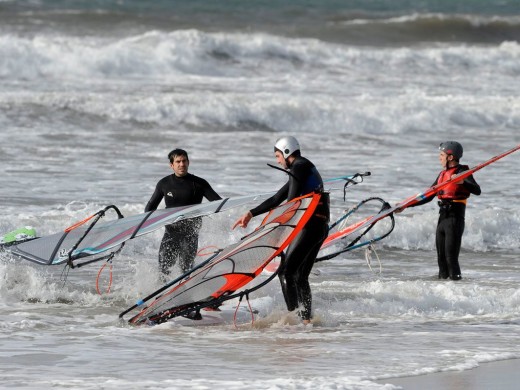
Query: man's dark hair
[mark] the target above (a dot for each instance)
(177, 152)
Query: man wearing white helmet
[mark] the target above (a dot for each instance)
(294, 271)
(452, 209)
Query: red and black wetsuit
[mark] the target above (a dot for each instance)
(180, 240)
(294, 271)
(450, 227)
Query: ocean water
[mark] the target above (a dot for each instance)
(94, 94)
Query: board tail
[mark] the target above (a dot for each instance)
(18, 236)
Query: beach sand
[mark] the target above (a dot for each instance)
(500, 375)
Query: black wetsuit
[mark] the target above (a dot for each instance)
(180, 240)
(294, 271)
(450, 227)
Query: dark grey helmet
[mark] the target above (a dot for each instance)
(452, 147)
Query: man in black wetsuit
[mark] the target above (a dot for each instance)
(294, 271)
(452, 209)
(180, 240)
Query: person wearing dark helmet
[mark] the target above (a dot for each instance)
(452, 208)
(180, 240)
(295, 268)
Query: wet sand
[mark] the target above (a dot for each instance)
(500, 375)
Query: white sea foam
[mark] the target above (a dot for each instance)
(170, 56)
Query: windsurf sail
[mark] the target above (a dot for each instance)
(358, 229)
(84, 239)
(230, 270)
(79, 244)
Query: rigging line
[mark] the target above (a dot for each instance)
(236, 311)
(250, 310)
(109, 261)
(78, 224)
(64, 275)
(283, 170)
(368, 257)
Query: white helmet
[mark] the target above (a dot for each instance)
(287, 145)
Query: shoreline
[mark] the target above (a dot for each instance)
(500, 375)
